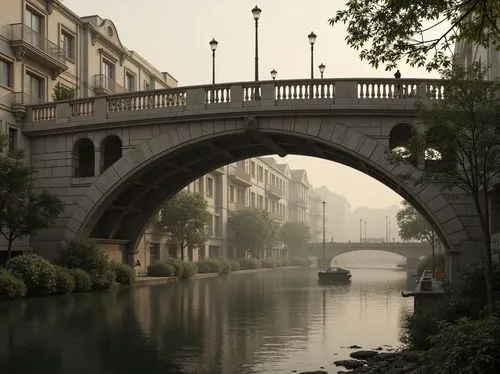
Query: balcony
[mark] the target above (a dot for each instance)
(104, 85)
(220, 170)
(298, 201)
(27, 42)
(274, 191)
(240, 176)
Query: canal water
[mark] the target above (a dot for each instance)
(265, 322)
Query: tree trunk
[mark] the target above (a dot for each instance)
(488, 269)
(9, 248)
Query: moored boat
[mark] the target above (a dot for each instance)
(334, 274)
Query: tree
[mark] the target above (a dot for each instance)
(296, 236)
(412, 226)
(186, 218)
(22, 210)
(465, 125)
(423, 32)
(61, 92)
(253, 230)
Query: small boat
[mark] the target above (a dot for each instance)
(334, 274)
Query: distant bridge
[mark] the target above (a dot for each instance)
(412, 251)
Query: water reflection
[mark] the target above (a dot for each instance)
(254, 323)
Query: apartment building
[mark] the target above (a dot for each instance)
(316, 217)
(44, 44)
(466, 54)
(259, 182)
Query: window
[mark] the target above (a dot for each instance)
(218, 227)
(33, 85)
(129, 82)
(261, 202)
(68, 45)
(33, 20)
(260, 173)
(252, 199)
(252, 169)
(154, 252)
(231, 194)
(13, 139)
(107, 75)
(210, 225)
(147, 86)
(210, 187)
(5, 73)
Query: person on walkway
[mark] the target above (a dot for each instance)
(397, 75)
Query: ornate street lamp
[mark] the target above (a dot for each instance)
(324, 241)
(321, 69)
(256, 15)
(312, 40)
(274, 73)
(213, 46)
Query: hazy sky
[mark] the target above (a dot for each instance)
(174, 37)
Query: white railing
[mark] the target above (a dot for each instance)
(324, 91)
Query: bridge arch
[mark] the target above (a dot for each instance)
(121, 200)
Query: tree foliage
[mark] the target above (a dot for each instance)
(421, 32)
(254, 230)
(413, 226)
(185, 217)
(295, 235)
(465, 126)
(61, 92)
(22, 210)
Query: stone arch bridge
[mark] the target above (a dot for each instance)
(412, 251)
(114, 159)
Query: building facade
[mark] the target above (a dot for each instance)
(260, 183)
(43, 44)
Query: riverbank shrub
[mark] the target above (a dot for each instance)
(189, 270)
(124, 274)
(426, 263)
(233, 265)
(83, 282)
(468, 346)
(299, 261)
(102, 280)
(38, 274)
(84, 253)
(249, 263)
(161, 269)
(270, 263)
(64, 281)
(11, 287)
(211, 265)
(285, 262)
(178, 266)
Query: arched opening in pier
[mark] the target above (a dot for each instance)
(83, 158)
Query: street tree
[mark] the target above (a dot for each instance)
(465, 128)
(185, 218)
(23, 211)
(254, 230)
(413, 226)
(295, 235)
(418, 32)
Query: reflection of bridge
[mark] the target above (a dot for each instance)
(412, 251)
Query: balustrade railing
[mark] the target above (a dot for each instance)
(355, 91)
(21, 32)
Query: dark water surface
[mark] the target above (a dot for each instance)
(267, 322)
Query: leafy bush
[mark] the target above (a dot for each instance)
(213, 265)
(10, 286)
(178, 266)
(84, 253)
(426, 263)
(64, 281)
(249, 263)
(299, 261)
(270, 263)
(161, 269)
(38, 274)
(104, 280)
(124, 274)
(285, 262)
(190, 270)
(233, 265)
(466, 347)
(83, 282)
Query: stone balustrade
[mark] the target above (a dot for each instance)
(315, 93)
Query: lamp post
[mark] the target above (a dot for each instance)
(312, 40)
(324, 242)
(321, 69)
(360, 230)
(365, 231)
(386, 230)
(274, 73)
(256, 15)
(213, 46)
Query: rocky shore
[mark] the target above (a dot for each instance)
(376, 362)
